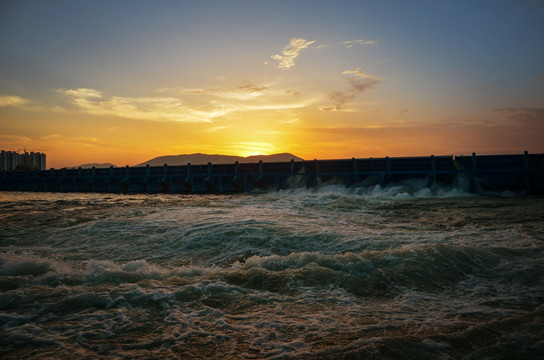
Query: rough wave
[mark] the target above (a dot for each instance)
(404, 271)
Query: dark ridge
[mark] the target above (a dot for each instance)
(199, 159)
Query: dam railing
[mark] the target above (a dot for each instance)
(519, 172)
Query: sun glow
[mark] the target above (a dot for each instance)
(246, 149)
(327, 92)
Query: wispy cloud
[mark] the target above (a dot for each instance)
(92, 101)
(51, 137)
(217, 128)
(352, 43)
(289, 120)
(26, 104)
(339, 98)
(523, 115)
(541, 78)
(361, 73)
(294, 93)
(144, 108)
(357, 85)
(291, 52)
(71, 142)
(15, 140)
(244, 91)
(349, 43)
(10, 100)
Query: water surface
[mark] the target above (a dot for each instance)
(400, 272)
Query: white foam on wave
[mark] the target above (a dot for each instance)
(347, 262)
(26, 263)
(28, 266)
(357, 196)
(293, 271)
(413, 189)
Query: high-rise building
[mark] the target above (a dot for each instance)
(12, 160)
(3, 160)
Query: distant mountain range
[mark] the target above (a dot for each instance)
(198, 159)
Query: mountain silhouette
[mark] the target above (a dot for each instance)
(199, 159)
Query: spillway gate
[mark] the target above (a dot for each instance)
(518, 172)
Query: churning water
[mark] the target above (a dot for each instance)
(401, 272)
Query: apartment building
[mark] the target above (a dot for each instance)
(14, 160)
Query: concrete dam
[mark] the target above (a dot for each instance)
(523, 173)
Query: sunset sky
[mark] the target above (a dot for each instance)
(126, 81)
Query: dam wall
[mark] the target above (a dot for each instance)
(522, 173)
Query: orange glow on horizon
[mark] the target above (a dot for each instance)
(144, 85)
(115, 130)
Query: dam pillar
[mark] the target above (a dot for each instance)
(126, 181)
(354, 176)
(236, 179)
(165, 181)
(62, 179)
(188, 182)
(307, 176)
(25, 181)
(146, 179)
(110, 180)
(260, 178)
(472, 175)
(526, 173)
(78, 180)
(91, 182)
(431, 177)
(208, 181)
(385, 177)
(35, 182)
(316, 169)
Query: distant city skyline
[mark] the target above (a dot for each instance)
(15, 160)
(124, 81)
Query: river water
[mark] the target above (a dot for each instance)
(401, 272)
